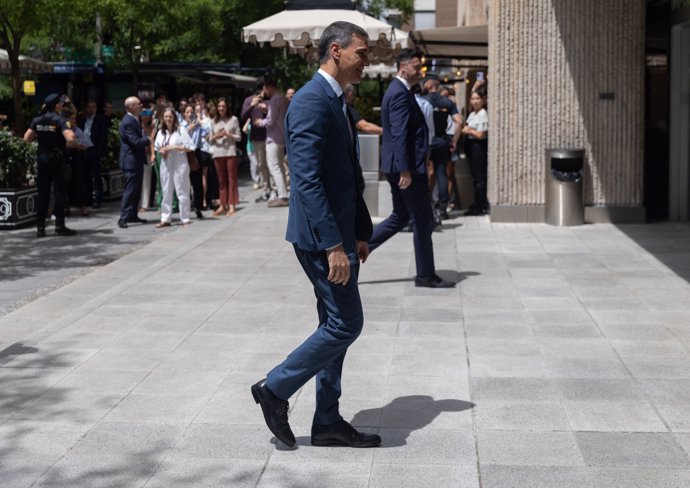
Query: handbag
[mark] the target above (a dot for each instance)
(193, 161)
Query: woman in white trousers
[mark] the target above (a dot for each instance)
(173, 144)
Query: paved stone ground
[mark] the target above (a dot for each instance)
(561, 360)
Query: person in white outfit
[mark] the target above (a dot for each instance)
(173, 144)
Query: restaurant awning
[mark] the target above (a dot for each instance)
(470, 42)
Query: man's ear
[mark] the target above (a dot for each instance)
(335, 50)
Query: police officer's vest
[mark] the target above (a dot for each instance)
(48, 128)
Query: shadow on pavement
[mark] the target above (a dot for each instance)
(452, 275)
(407, 414)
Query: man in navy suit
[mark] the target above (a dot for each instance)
(329, 226)
(133, 145)
(403, 161)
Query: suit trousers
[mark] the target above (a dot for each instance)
(132, 193)
(340, 322)
(275, 155)
(412, 202)
(262, 165)
(440, 153)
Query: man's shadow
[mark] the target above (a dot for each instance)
(451, 275)
(406, 414)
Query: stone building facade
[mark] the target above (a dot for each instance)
(566, 73)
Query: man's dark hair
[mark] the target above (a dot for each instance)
(406, 55)
(341, 33)
(270, 82)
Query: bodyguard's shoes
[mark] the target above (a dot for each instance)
(65, 231)
(342, 434)
(41, 232)
(275, 413)
(432, 281)
(136, 220)
(122, 224)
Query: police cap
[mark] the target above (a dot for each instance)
(51, 100)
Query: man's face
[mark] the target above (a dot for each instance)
(411, 70)
(108, 109)
(91, 109)
(353, 59)
(290, 93)
(136, 107)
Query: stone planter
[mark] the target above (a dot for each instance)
(113, 184)
(17, 207)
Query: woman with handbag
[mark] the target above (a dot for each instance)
(192, 125)
(225, 133)
(173, 144)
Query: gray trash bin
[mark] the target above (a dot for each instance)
(564, 191)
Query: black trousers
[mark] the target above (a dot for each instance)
(132, 193)
(50, 175)
(196, 178)
(476, 150)
(76, 189)
(93, 183)
(440, 153)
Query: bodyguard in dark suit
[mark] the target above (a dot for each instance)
(329, 226)
(404, 154)
(133, 144)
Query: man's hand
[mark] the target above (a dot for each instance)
(362, 248)
(338, 266)
(405, 180)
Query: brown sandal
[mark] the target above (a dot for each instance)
(160, 225)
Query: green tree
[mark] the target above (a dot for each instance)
(161, 30)
(375, 8)
(22, 19)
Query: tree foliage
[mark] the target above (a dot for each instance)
(19, 19)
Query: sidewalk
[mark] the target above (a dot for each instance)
(560, 360)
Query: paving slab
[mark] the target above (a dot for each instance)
(560, 359)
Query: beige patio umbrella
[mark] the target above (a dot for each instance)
(302, 29)
(25, 64)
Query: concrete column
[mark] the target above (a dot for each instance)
(566, 73)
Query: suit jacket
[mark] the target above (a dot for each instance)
(99, 136)
(326, 202)
(405, 134)
(133, 144)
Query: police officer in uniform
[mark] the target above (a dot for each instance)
(52, 132)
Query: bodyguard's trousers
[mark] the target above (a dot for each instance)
(413, 201)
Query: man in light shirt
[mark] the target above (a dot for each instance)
(274, 122)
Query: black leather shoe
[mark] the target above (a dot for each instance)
(432, 281)
(342, 434)
(136, 220)
(65, 231)
(472, 211)
(275, 413)
(122, 224)
(199, 215)
(41, 232)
